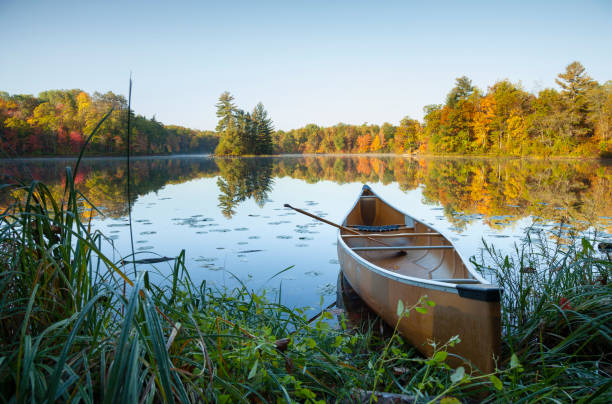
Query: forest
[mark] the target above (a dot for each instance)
(58, 122)
(504, 119)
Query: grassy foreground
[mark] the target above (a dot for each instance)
(78, 327)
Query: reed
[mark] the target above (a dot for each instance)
(557, 317)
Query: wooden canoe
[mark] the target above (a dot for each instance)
(466, 304)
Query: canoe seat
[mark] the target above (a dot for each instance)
(405, 247)
(389, 227)
(391, 235)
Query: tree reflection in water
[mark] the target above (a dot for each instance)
(498, 191)
(243, 178)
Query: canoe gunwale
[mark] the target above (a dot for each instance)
(410, 280)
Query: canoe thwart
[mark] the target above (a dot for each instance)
(483, 292)
(388, 227)
(405, 247)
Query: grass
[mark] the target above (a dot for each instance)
(77, 328)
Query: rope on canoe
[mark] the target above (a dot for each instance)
(389, 227)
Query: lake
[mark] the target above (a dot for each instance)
(227, 213)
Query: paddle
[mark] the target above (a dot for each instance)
(339, 226)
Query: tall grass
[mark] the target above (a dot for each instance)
(557, 317)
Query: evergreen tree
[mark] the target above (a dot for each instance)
(575, 84)
(227, 127)
(462, 90)
(263, 130)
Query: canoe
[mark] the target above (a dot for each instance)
(397, 257)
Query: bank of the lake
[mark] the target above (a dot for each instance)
(80, 324)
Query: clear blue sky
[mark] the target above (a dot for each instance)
(308, 61)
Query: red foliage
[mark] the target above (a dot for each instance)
(76, 141)
(80, 177)
(564, 304)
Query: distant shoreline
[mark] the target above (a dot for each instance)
(404, 155)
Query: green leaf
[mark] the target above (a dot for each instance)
(440, 356)
(430, 303)
(454, 341)
(280, 272)
(253, 371)
(514, 361)
(338, 340)
(496, 382)
(400, 308)
(421, 310)
(450, 400)
(457, 376)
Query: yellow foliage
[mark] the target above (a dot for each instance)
(376, 144)
(482, 120)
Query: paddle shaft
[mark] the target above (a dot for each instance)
(336, 225)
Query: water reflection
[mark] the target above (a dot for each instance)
(240, 179)
(228, 213)
(497, 191)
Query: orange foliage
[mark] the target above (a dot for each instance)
(363, 143)
(363, 166)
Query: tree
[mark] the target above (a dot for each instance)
(241, 132)
(574, 82)
(462, 90)
(229, 142)
(263, 130)
(575, 85)
(226, 111)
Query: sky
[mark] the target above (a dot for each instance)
(319, 62)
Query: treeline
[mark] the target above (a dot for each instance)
(504, 120)
(575, 119)
(58, 122)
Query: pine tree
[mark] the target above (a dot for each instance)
(575, 84)
(462, 90)
(229, 142)
(263, 130)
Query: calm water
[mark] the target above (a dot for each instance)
(228, 213)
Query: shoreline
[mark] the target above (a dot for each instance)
(403, 155)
